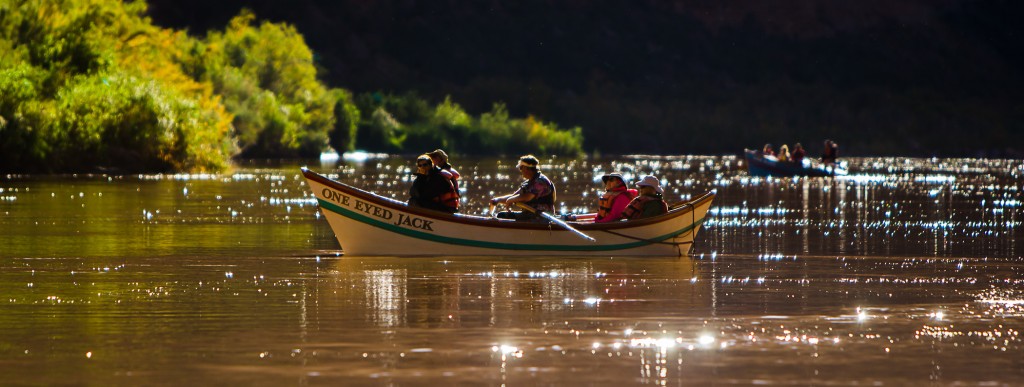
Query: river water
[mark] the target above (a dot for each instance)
(907, 272)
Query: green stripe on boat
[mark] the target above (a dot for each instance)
(495, 245)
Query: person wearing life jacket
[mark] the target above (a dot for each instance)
(440, 159)
(831, 152)
(783, 154)
(649, 203)
(536, 191)
(798, 153)
(431, 189)
(615, 198)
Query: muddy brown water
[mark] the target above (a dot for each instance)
(907, 272)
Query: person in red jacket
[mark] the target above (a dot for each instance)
(830, 154)
(615, 198)
(798, 153)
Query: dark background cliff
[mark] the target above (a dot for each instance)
(881, 77)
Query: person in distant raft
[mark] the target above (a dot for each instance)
(614, 200)
(431, 189)
(798, 153)
(784, 153)
(649, 203)
(830, 154)
(537, 191)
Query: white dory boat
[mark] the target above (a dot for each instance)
(367, 224)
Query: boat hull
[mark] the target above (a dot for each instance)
(366, 224)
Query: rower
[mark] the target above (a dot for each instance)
(537, 191)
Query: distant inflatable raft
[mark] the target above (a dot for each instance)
(758, 165)
(367, 224)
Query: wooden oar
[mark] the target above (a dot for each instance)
(556, 221)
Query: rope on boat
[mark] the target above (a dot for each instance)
(651, 241)
(678, 245)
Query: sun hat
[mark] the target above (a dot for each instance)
(439, 154)
(613, 175)
(651, 181)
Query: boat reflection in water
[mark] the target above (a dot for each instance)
(513, 313)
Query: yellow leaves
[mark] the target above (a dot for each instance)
(136, 40)
(51, 15)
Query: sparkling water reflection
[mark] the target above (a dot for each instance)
(905, 272)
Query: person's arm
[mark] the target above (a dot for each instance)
(522, 197)
(501, 199)
(414, 192)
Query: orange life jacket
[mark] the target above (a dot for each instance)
(607, 201)
(450, 198)
(636, 207)
(451, 174)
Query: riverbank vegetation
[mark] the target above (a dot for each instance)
(922, 78)
(89, 85)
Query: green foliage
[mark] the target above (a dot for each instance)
(107, 119)
(346, 121)
(88, 84)
(448, 126)
(91, 85)
(267, 78)
(382, 132)
(22, 116)
(117, 119)
(66, 37)
(527, 135)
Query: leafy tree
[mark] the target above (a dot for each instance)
(22, 116)
(346, 121)
(447, 125)
(93, 84)
(382, 132)
(267, 78)
(89, 84)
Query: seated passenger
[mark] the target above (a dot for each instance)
(615, 198)
(649, 203)
(440, 159)
(798, 153)
(784, 153)
(431, 189)
(767, 150)
(830, 154)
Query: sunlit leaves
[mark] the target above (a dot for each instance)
(267, 77)
(346, 121)
(447, 125)
(90, 84)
